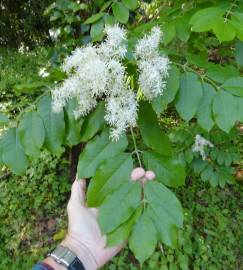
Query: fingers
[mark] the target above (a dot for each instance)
(150, 175)
(140, 174)
(137, 173)
(94, 211)
(78, 191)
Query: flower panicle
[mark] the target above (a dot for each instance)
(98, 72)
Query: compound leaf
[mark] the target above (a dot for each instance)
(143, 238)
(151, 133)
(13, 152)
(93, 123)
(119, 206)
(73, 126)
(97, 151)
(120, 12)
(190, 93)
(164, 210)
(204, 19)
(54, 125)
(167, 170)
(109, 177)
(31, 133)
(204, 112)
(225, 110)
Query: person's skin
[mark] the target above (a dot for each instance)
(84, 237)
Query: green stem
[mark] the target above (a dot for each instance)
(203, 77)
(136, 151)
(229, 11)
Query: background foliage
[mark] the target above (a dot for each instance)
(22, 22)
(204, 42)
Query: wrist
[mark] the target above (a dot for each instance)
(81, 251)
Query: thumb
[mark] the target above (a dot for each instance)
(78, 191)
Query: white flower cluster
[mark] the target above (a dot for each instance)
(97, 72)
(152, 66)
(199, 145)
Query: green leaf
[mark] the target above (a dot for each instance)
(160, 103)
(1, 152)
(31, 133)
(96, 31)
(109, 177)
(28, 87)
(234, 86)
(237, 22)
(152, 135)
(224, 30)
(106, 5)
(169, 31)
(221, 73)
(54, 125)
(13, 153)
(93, 123)
(56, 15)
(214, 180)
(190, 93)
(224, 110)
(97, 151)
(168, 171)
(75, 6)
(120, 12)
(143, 238)
(94, 18)
(165, 211)
(239, 110)
(130, 4)
(122, 204)
(120, 234)
(183, 27)
(109, 20)
(207, 173)
(73, 126)
(204, 112)
(3, 119)
(239, 53)
(204, 19)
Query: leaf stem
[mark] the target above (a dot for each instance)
(136, 151)
(229, 11)
(202, 76)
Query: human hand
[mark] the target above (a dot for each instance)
(84, 237)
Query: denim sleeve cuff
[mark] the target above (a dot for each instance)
(42, 266)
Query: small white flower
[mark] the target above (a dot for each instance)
(121, 112)
(147, 47)
(43, 73)
(115, 44)
(116, 79)
(54, 33)
(79, 57)
(85, 104)
(200, 143)
(153, 68)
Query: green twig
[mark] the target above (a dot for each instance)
(229, 11)
(136, 151)
(203, 77)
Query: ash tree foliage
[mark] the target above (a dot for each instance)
(133, 64)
